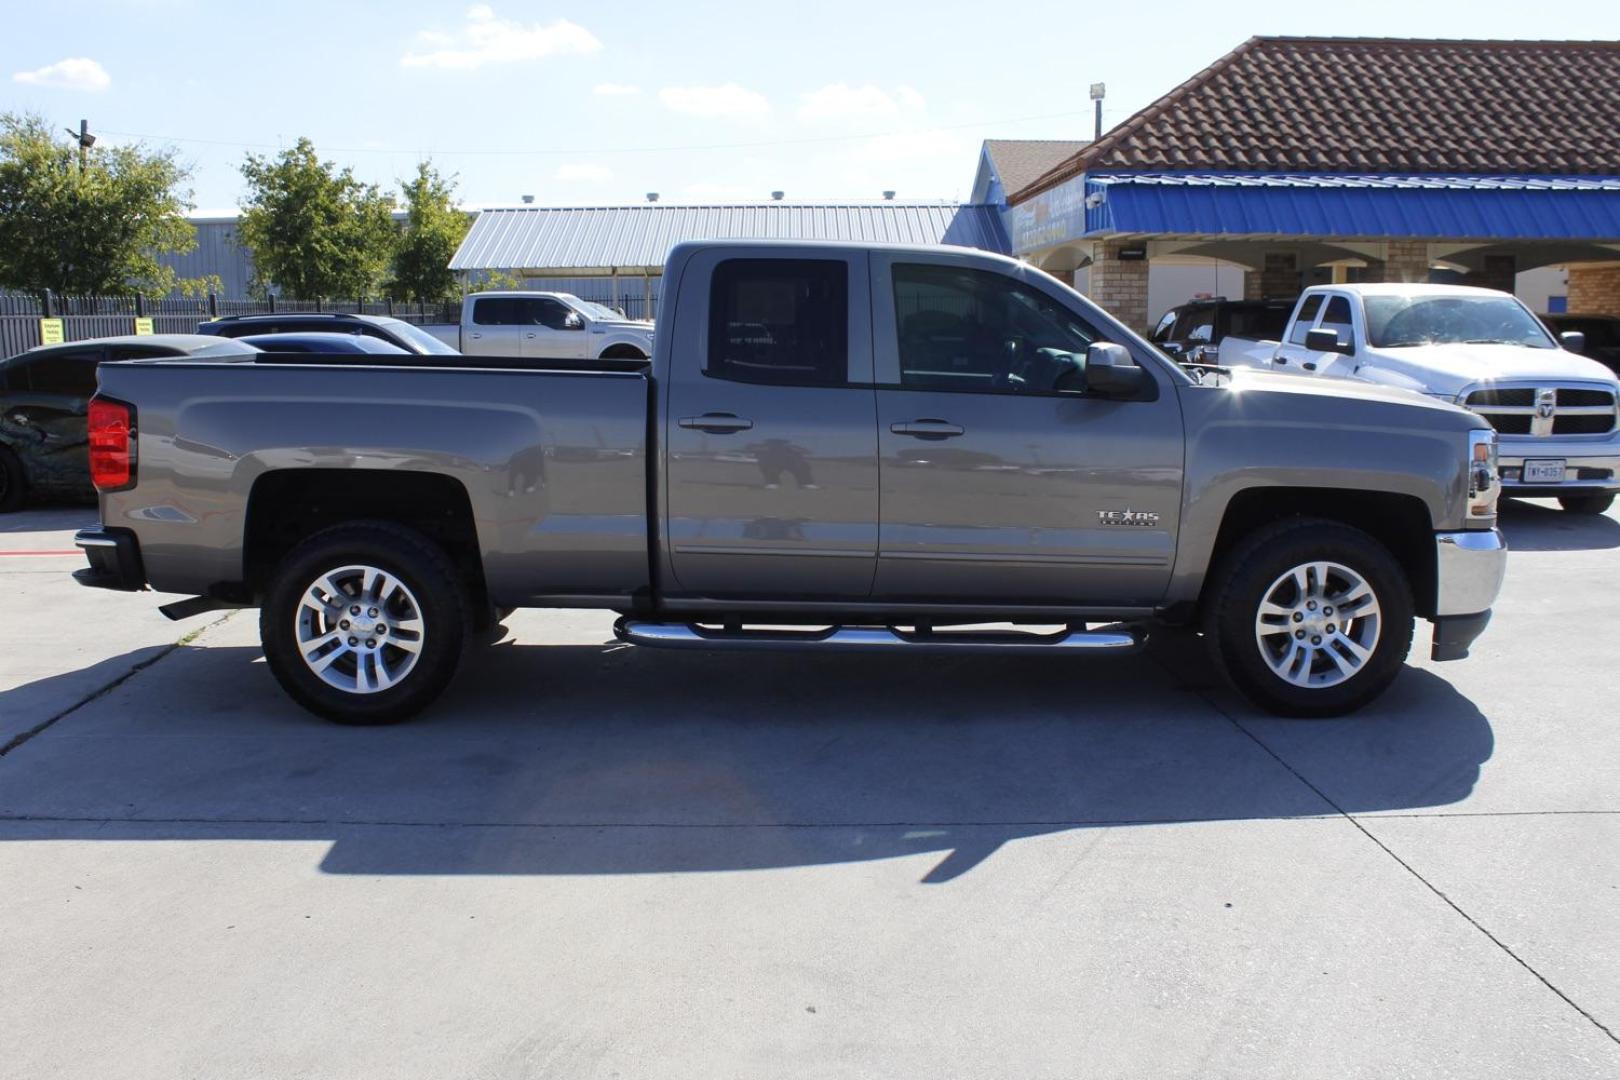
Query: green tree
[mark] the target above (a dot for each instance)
(434, 228)
(314, 231)
(99, 228)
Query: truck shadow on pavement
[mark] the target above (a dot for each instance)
(604, 759)
(1542, 526)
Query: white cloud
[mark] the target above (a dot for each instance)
(584, 171)
(74, 73)
(613, 89)
(839, 100)
(727, 100)
(486, 39)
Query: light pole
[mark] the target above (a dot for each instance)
(86, 140)
(1097, 91)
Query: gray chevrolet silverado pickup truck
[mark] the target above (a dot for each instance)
(832, 447)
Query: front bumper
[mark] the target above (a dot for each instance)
(1589, 465)
(1469, 568)
(115, 560)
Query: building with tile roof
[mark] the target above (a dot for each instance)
(1317, 159)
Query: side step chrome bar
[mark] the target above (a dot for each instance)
(671, 635)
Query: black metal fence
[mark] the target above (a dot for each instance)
(107, 316)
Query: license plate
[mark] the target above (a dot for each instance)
(1544, 472)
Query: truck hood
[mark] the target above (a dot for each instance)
(1450, 369)
(1251, 380)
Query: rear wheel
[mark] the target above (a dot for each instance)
(1598, 503)
(365, 623)
(1311, 618)
(13, 483)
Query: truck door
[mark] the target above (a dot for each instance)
(1003, 478)
(1321, 311)
(771, 480)
(552, 328)
(494, 327)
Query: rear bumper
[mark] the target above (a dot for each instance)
(115, 560)
(1469, 568)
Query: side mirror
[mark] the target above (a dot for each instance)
(1324, 340)
(572, 321)
(1110, 371)
(1573, 340)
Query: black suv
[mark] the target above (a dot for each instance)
(44, 399)
(1602, 336)
(1191, 331)
(412, 339)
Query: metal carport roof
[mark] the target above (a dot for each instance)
(589, 240)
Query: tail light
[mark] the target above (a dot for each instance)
(112, 444)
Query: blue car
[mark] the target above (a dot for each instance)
(322, 343)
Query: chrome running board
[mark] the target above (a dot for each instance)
(669, 635)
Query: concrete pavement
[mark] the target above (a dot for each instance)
(590, 860)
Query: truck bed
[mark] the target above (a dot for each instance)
(551, 456)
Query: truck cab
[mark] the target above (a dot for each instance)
(545, 324)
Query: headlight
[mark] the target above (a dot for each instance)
(1484, 484)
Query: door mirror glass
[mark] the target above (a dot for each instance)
(572, 321)
(1325, 339)
(1573, 340)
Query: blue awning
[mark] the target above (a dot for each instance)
(1448, 207)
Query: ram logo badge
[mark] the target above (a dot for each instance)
(1139, 518)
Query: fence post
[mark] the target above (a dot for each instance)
(213, 304)
(390, 307)
(320, 303)
(50, 304)
(272, 302)
(140, 306)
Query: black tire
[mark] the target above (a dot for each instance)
(1596, 503)
(623, 352)
(1248, 574)
(13, 482)
(432, 584)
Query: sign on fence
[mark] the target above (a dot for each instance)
(50, 332)
(143, 325)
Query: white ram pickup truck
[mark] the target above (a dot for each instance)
(544, 324)
(1480, 348)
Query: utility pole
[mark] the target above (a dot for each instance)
(1097, 91)
(86, 141)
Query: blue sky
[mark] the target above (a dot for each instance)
(700, 101)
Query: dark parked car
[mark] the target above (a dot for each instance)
(44, 398)
(323, 343)
(1192, 330)
(1602, 335)
(394, 331)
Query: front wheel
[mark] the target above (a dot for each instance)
(1310, 618)
(364, 624)
(1598, 503)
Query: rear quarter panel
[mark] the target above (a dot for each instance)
(553, 463)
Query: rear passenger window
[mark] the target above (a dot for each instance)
(1306, 318)
(783, 321)
(498, 311)
(69, 374)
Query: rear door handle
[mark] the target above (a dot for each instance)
(928, 429)
(716, 423)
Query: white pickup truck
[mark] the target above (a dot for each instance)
(544, 324)
(1483, 350)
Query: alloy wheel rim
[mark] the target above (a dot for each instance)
(1318, 625)
(359, 629)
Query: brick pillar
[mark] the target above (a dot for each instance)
(1279, 277)
(1251, 285)
(1120, 288)
(1404, 260)
(1499, 272)
(1594, 289)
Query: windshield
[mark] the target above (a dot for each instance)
(599, 312)
(1397, 321)
(423, 341)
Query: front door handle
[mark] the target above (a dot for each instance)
(531, 335)
(716, 423)
(928, 429)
